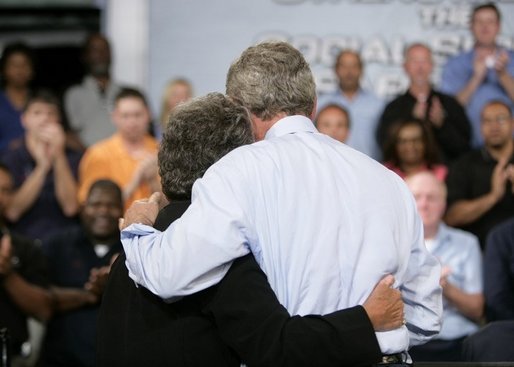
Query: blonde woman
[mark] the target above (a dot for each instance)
(177, 91)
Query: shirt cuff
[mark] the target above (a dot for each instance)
(130, 237)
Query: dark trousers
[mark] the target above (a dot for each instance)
(438, 351)
(493, 343)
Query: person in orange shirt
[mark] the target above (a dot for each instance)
(129, 156)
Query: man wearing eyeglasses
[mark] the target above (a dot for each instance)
(481, 183)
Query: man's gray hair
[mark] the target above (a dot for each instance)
(272, 78)
(198, 134)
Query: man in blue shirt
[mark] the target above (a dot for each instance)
(461, 276)
(365, 108)
(484, 73)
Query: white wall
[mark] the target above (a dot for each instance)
(199, 39)
(127, 28)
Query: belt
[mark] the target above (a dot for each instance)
(397, 359)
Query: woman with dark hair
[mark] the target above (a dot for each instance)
(16, 72)
(410, 148)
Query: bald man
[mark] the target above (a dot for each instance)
(461, 275)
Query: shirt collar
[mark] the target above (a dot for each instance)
(442, 235)
(431, 93)
(487, 157)
(90, 82)
(290, 125)
(360, 92)
(485, 154)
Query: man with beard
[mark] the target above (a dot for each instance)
(481, 183)
(364, 107)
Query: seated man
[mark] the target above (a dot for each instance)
(23, 277)
(129, 156)
(241, 314)
(461, 276)
(79, 260)
(481, 182)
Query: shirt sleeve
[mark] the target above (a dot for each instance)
(34, 268)
(453, 78)
(196, 250)
(421, 291)
(510, 66)
(473, 282)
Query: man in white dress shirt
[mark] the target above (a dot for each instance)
(324, 221)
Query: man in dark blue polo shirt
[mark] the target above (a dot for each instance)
(79, 261)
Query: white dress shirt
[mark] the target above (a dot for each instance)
(324, 221)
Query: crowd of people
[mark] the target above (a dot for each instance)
(71, 166)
